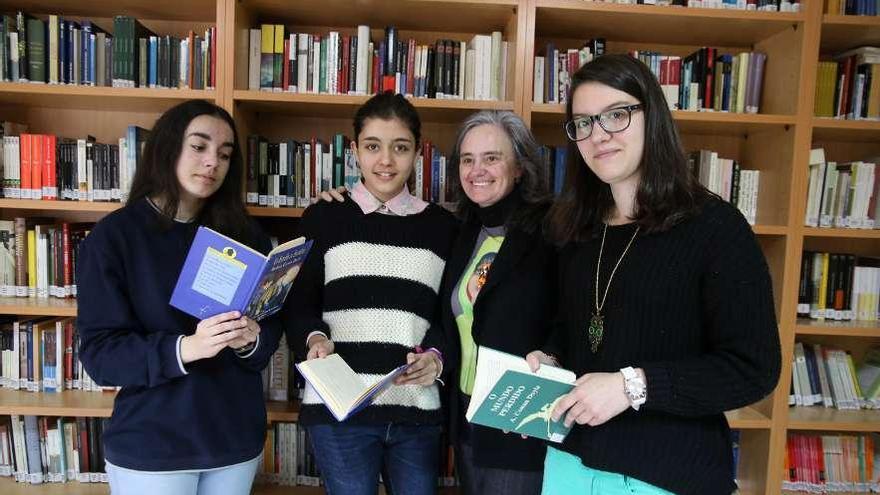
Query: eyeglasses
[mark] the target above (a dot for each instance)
(614, 120)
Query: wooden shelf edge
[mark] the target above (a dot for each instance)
(357, 100)
(837, 328)
(747, 418)
(827, 419)
(692, 116)
(659, 10)
(850, 20)
(106, 91)
(32, 306)
(842, 233)
(37, 204)
(845, 124)
(263, 211)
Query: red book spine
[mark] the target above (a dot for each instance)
(37, 166)
(376, 76)
(49, 160)
(25, 155)
(213, 48)
(410, 68)
(343, 68)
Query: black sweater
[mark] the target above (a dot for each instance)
(512, 313)
(163, 419)
(693, 307)
(371, 282)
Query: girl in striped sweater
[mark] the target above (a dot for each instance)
(369, 292)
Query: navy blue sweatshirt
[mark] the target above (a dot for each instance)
(168, 416)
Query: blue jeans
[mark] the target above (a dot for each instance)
(228, 480)
(351, 458)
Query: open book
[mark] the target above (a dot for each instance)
(508, 396)
(342, 391)
(221, 274)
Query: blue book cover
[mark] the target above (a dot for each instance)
(559, 168)
(221, 274)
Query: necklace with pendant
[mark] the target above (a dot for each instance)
(597, 324)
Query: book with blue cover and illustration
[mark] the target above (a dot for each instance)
(221, 274)
(508, 396)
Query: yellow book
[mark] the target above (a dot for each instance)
(32, 263)
(267, 56)
(874, 93)
(853, 376)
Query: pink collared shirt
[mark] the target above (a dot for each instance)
(401, 205)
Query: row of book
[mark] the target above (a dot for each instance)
(758, 5)
(39, 258)
(703, 80)
(42, 355)
(842, 195)
(726, 178)
(291, 173)
(849, 86)
(832, 463)
(40, 449)
(50, 167)
(288, 459)
(65, 51)
(852, 7)
(840, 287)
(827, 377)
(339, 63)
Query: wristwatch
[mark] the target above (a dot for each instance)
(634, 387)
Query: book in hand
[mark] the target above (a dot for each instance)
(340, 388)
(508, 396)
(221, 274)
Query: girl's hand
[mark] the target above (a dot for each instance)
(212, 335)
(319, 347)
(332, 195)
(249, 334)
(596, 398)
(423, 370)
(537, 358)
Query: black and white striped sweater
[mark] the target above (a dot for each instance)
(371, 282)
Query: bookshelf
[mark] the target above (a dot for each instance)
(776, 141)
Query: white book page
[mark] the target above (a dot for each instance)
(335, 381)
(491, 364)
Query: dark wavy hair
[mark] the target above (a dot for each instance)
(156, 174)
(532, 188)
(387, 106)
(667, 192)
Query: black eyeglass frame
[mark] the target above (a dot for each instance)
(594, 119)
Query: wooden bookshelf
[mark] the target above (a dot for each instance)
(842, 32)
(32, 306)
(100, 404)
(829, 419)
(776, 141)
(866, 329)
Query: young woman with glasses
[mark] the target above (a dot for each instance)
(666, 305)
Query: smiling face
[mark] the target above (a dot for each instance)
(203, 162)
(614, 158)
(386, 151)
(487, 165)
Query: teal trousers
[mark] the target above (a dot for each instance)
(564, 474)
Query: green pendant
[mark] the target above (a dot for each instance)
(594, 332)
